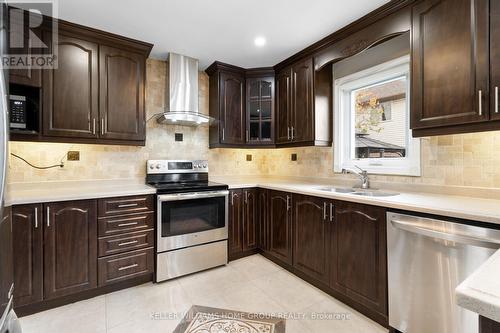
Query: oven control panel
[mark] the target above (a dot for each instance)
(176, 166)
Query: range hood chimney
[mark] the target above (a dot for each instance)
(183, 93)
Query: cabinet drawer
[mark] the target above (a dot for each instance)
(126, 242)
(126, 265)
(125, 205)
(120, 224)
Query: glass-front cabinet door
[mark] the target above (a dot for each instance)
(260, 110)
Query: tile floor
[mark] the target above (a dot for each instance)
(252, 284)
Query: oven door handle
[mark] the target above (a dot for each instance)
(189, 196)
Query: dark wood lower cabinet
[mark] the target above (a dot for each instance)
(70, 247)
(263, 219)
(27, 237)
(6, 268)
(358, 255)
(280, 226)
(487, 325)
(311, 229)
(243, 215)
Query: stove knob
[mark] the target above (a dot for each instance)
(158, 166)
(205, 166)
(151, 166)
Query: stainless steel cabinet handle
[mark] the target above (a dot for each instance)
(127, 267)
(246, 197)
(480, 102)
(325, 215)
(293, 133)
(288, 133)
(232, 199)
(129, 219)
(331, 212)
(48, 216)
(128, 205)
(127, 224)
(223, 134)
(128, 243)
(93, 126)
(288, 202)
(36, 217)
(496, 100)
(247, 135)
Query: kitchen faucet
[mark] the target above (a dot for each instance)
(362, 174)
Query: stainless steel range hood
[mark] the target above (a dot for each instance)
(182, 88)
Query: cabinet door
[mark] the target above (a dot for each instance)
(70, 247)
(250, 219)
(235, 228)
(70, 92)
(302, 99)
(263, 220)
(280, 226)
(6, 268)
(311, 216)
(19, 44)
(27, 236)
(495, 58)
(260, 110)
(284, 106)
(121, 100)
(359, 258)
(232, 108)
(449, 63)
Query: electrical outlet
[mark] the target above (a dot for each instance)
(293, 157)
(249, 158)
(73, 155)
(179, 137)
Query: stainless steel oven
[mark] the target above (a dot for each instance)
(192, 220)
(188, 219)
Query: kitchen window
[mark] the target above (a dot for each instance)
(372, 121)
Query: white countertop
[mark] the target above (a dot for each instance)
(26, 193)
(480, 292)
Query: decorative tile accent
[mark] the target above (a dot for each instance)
(201, 319)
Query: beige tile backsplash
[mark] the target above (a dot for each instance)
(461, 160)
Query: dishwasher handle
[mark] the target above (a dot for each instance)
(462, 238)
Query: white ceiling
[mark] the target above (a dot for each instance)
(222, 30)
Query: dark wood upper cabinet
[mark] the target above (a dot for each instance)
(280, 226)
(70, 247)
(27, 236)
(311, 228)
(495, 59)
(284, 106)
(260, 110)
(250, 234)
(358, 252)
(121, 83)
(235, 227)
(302, 111)
(70, 94)
(232, 108)
(450, 64)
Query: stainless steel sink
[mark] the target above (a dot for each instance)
(375, 193)
(337, 189)
(357, 191)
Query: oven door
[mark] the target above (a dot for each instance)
(189, 219)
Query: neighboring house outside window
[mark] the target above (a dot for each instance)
(372, 121)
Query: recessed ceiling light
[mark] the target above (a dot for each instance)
(259, 41)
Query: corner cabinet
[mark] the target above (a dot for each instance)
(242, 103)
(280, 226)
(452, 48)
(299, 122)
(96, 94)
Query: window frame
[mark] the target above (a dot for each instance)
(343, 124)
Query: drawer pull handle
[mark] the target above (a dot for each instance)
(127, 205)
(127, 267)
(127, 224)
(128, 243)
(131, 219)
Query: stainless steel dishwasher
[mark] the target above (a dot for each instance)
(427, 260)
